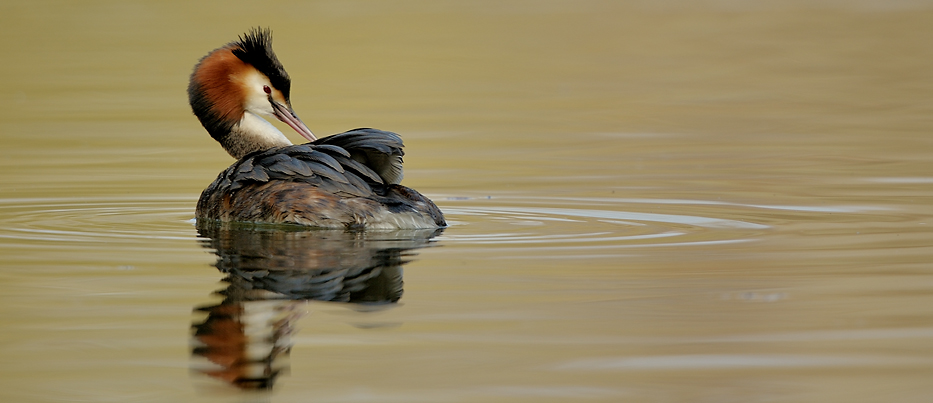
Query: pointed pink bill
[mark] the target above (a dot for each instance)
(285, 114)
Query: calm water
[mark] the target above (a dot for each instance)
(658, 202)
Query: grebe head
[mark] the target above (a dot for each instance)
(233, 86)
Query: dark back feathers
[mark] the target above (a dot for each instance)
(379, 150)
(358, 163)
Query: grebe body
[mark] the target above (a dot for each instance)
(348, 180)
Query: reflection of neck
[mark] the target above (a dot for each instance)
(246, 340)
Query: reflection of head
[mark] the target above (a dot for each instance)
(245, 342)
(268, 269)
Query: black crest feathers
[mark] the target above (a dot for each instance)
(255, 48)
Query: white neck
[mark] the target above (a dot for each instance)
(253, 133)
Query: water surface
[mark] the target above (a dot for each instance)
(668, 202)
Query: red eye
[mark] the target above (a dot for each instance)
(267, 89)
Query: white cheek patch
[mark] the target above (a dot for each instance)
(257, 101)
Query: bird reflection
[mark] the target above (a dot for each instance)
(244, 340)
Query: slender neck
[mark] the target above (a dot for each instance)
(252, 133)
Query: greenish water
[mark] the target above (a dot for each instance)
(662, 202)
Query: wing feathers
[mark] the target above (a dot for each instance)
(379, 150)
(359, 162)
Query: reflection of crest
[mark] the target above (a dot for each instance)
(245, 337)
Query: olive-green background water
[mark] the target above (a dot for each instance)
(650, 201)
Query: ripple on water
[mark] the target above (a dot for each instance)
(517, 222)
(586, 224)
(87, 220)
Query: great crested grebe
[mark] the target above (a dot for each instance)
(348, 180)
